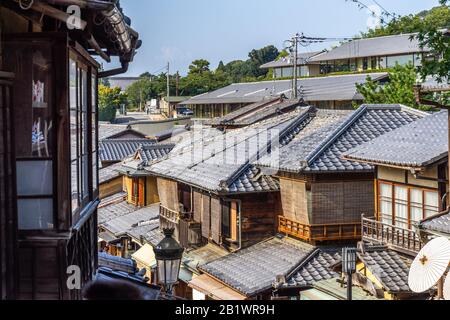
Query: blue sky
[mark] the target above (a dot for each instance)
(180, 31)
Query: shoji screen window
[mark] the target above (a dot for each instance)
(405, 206)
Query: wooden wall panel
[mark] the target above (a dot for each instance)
(168, 194)
(341, 202)
(198, 206)
(206, 217)
(259, 213)
(294, 200)
(111, 187)
(152, 191)
(216, 220)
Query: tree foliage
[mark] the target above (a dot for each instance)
(109, 100)
(427, 24)
(400, 88)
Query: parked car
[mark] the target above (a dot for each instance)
(185, 112)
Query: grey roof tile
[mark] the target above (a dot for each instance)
(390, 269)
(109, 173)
(224, 163)
(323, 150)
(328, 88)
(438, 223)
(314, 269)
(418, 144)
(124, 223)
(115, 210)
(379, 46)
(118, 149)
(254, 269)
(302, 59)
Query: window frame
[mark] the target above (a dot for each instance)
(409, 188)
(87, 67)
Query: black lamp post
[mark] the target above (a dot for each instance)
(349, 267)
(168, 254)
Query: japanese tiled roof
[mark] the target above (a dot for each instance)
(253, 270)
(237, 117)
(150, 153)
(115, 150)
(416, 145)
(323, 150)
(323, 88)
(388, 267)
(124, 223)
(369, 47)
(109, 173)
(115, 210)
(439, 223)
(224, 163)
(316, 267)
(302, 59)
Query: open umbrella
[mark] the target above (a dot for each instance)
(447, 288)
(430, 265)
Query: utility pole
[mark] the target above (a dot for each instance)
(168, 88)
(293, 51)
(296, 39)
(178, 84)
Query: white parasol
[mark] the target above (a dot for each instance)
(430, 265)
(447, 288)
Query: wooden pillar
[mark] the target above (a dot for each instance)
(8, 215)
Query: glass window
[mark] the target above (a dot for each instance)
(94, 133)
(277, 72)
(34, 178)
(31, 61)
(409, 209)
(373, 63)
(416, 200)
(83, 119)
(74, 134)
(401, 207)
(35, 214)
(402, 60)
(386, 203)
(382, 62)
(431, 203)
(288, 72)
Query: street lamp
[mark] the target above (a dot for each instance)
(349, 267)
(168, 254)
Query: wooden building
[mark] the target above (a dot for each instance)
(337, 92)
(323, 196)
(50, 208)
(216, 194)
(411, 181)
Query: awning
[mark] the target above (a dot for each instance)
(106, 237)
(145, 256)
(214, 288)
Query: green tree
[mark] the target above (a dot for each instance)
(430, 36)
(109, 100)
(199, 66)
(437, 17)
(140, 92)
(400, 88)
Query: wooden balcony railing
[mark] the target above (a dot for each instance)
(169, 215)
(322, 232)
(404, 240)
